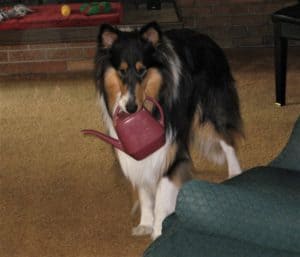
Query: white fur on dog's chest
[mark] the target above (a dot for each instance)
(146, 172)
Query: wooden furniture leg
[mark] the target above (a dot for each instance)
(280, 65)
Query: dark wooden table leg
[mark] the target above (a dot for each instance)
(280, 65)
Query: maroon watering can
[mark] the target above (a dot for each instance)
(140, 134)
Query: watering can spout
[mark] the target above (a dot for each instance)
(114, 142)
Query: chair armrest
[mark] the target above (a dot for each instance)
(270, 220)
(289, 158)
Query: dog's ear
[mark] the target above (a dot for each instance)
(107, 35)
(152, 33)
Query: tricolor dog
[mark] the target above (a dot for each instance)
(189, 75)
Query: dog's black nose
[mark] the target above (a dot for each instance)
(131, 107)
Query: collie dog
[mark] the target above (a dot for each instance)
(188, 74)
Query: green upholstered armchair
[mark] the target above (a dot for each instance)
(254, 214)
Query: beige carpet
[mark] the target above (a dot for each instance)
(63, 195)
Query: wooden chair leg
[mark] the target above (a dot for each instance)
(280, 66)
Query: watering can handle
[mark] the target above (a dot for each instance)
(148, 98)
(162, 118)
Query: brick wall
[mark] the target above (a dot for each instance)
(233, 23)
(46, 58)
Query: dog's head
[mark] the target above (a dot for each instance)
(132, 66)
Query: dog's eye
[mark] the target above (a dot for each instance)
(122, 72)
(142, 71)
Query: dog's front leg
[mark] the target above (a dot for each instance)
(165, 202)
(146, 198)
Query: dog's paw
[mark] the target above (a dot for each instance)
(233, 173)
(141, 230)
(155, 235)
(156, 232)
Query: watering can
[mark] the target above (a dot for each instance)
(139, 134)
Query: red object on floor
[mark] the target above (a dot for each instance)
(49, 16)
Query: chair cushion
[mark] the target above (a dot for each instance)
(290, 14)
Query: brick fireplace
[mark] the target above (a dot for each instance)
(232, 23)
